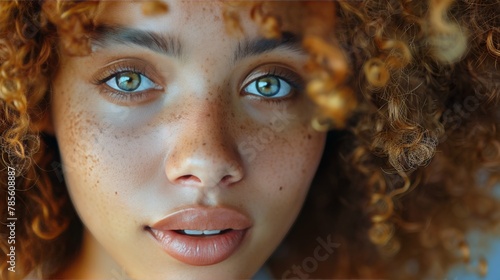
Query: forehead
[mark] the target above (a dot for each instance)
(203, 14)
(186, 27)
(190, 24)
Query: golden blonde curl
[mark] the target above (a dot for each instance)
(28, 57)
(399, 170)
(424, 126)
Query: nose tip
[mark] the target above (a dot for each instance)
(205, 175)
(204, 152)
(213, 163)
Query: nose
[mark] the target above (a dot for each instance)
(205, 153)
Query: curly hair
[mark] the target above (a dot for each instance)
(413, 171)
(408, 90)
(28, 55)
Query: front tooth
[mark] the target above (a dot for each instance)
(209, 232)
(193, 232)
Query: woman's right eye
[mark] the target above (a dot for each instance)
(130, 82)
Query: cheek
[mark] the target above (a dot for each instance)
(85, 158)
(76, 140)
(281, 176)
(284, 168)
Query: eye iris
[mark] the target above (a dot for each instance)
(128, 81)
(268, 86)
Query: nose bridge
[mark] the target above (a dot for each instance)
(204, 153)
(207, 122)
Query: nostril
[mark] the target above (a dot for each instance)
(226, 179)
(204, 174)
(187, 178)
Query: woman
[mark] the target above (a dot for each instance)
(177, 139)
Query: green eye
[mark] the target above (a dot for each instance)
(268, 85)
(128, 81)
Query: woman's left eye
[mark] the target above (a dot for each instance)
(269, 86)
(130, 81)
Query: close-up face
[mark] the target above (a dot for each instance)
(187, 149)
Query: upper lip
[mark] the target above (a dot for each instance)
(204, 218)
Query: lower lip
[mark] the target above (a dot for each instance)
(199, 251)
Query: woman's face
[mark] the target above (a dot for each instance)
(187, 150)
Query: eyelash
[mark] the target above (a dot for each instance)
(122, 97)
(294, 80)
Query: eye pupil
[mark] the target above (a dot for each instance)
(268, 86)
(128, 81)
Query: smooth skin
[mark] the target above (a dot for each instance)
(144, 131)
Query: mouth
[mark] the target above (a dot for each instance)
(201, 236)
(200, 233)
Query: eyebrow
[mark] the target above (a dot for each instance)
(104, 35)
(288, 41)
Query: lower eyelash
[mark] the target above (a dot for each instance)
(117, 96)
(273, 100)
(121, 97)
(296, 83)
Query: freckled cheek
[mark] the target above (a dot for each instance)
(93, 156)
(98, 198)
(285, 169)
(83, 151)
(281, 178)
(76, 140)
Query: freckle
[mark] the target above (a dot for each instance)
(116, 193)
(204, 144)
(232, 114)
(208, 115)
(308, 136)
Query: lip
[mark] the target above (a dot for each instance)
(202, 250)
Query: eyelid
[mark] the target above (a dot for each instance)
(144, 80)
(123, 65)
(283, 85)
(123, 98)
(282, 71)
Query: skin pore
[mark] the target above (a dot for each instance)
(187, 116)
